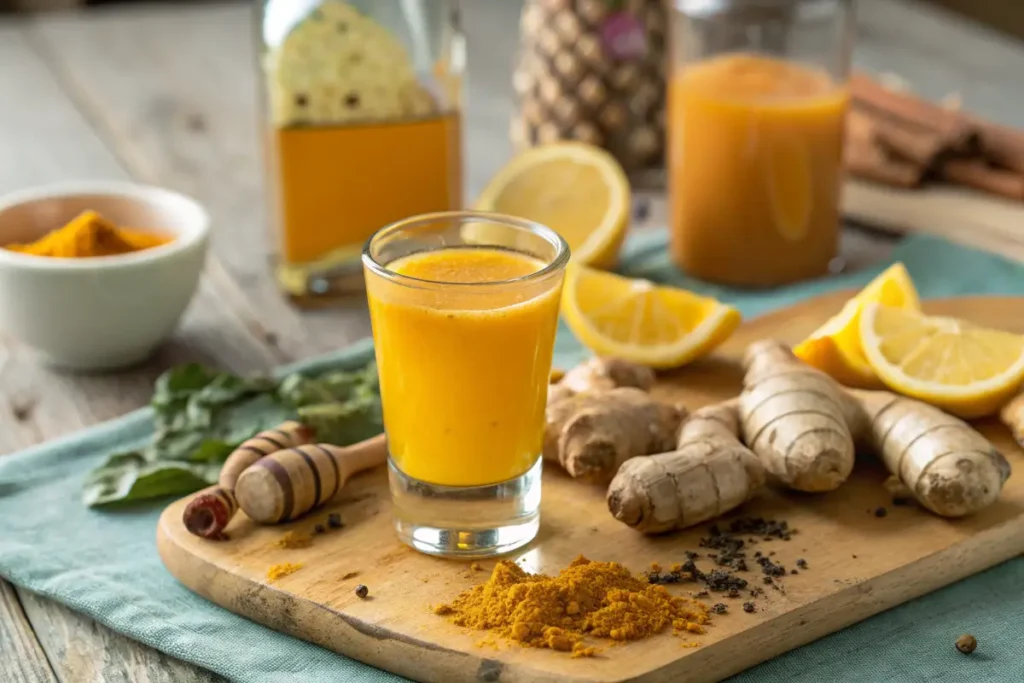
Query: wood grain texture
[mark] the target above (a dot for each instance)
(49, 140)
(859, 564)
(81, 650)
(23, 658)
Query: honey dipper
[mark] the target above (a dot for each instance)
(208, 513)
(291, 482)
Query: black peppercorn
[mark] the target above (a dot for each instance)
(319, 529)
(362, 591)
(334, 520)
(966, 643)
(749, 607)
(881, 512)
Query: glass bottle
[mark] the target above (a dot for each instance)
(363, 101)
(757, 104)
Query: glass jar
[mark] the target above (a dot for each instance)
(363, 101)
(594, 71)
(757, 105)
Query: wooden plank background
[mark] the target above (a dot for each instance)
(166, 94)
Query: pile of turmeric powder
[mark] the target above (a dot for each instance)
(90, 235)
(601, 599)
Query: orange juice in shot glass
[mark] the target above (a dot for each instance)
(464, 308)
(757, 107)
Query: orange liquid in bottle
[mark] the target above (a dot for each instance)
(337, 185)
(755, 169)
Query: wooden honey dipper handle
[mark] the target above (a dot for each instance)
(289, 483)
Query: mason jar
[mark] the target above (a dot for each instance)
(757, 105)
(363, 101)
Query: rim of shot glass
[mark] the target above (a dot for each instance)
(560, 260)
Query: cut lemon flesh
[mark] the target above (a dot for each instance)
(661, 327)
(964, 369)
(834, 348)
(578, 190)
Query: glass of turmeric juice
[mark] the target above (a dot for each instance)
(464, 308)
(757, 106)
(363, 101)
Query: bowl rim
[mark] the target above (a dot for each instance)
(194, 236)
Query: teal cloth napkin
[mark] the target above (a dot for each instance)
(105, 565)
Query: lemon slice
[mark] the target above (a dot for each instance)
(834, 348)
(790, 189)
(964, 369)
(661, 327)
(576, 189)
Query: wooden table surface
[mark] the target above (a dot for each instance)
(167, 96)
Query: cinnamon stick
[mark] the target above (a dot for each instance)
(980, 175)
(866, 159)
(958, 133)
(1001, 145)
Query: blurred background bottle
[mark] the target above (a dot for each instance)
(594, 71)
(363, 102)
(757, 105)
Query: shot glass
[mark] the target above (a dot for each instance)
(464, 307)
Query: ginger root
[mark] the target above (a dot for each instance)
(710, 473)
(1012, 416)
(600, 415)
(945, 463)
(794, 418)
(591, 434)
(607, 373)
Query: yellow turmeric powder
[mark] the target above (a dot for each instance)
(277, 571)
(291, 540)
(89, 235)
(601, 599)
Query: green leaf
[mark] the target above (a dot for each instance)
(202, 415)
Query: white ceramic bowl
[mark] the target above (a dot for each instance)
(104, 312)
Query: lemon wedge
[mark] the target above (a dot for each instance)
(834, 348)
(964, 369)
(578, 190)
(661, 327)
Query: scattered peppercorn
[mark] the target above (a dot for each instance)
(362, 591)
(334, 520)
(719, 608)
(768, 580)
(319, 529)
(901, 501)
(749, 607)
(793, 571)
(881, 512)
(733, 593)
(802, 563)
(966, 643)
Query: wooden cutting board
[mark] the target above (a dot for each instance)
(858, 564)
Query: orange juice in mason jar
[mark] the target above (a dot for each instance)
(464, 309)
(757, 105)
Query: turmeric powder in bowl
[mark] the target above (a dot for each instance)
(90, 235)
